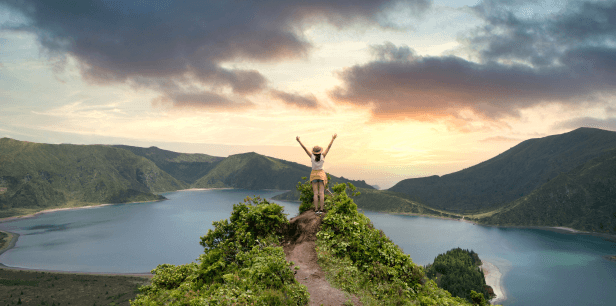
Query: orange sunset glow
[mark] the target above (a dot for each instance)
(412, 88)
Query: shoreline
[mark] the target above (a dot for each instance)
(46, 211)
(494, 279)
(144, 275)
(50, 210)
(558, 229)
(13, 237)
(200, 189)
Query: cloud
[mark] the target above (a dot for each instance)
(542, 41)
(522, 63)
(169, 45)
(606, 124)
(202, 100)
(390, 53)
(439, 86)
(309, 101)
(500, 139)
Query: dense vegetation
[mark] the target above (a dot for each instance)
(255, 171)
(243, 263)
(512, 174)
(458, 272)
(38, 176)
(363, 261)
(184, 167)
(581, 199)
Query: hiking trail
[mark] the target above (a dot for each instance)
(299, 247)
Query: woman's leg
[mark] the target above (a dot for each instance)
(322, 195)
(315, 191)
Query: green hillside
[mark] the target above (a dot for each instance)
(244, 262)
(182, 166)
(582, 199)
(256, 171)
(38, 176)
(513, 174)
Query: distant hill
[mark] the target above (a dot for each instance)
(256, 171)
(182, 166)
(380, 200)
(39, 176)
(583, 198)
(513, 174)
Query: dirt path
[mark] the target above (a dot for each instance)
(300, 248)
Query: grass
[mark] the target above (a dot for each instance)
(49, 288)
(340, 271)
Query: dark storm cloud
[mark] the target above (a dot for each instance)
(164, 42)
(523, 63)
(309, 101)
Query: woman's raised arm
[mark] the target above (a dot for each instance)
(301, 144)
(330, 145)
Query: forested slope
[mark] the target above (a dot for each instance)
(256, 171)
(182, 166)
(510, 175)
(582, 199)
(40, 176)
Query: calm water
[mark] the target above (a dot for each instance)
(540, 267)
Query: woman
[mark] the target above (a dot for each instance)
(318, 178)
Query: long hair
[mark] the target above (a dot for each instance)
(317, 157)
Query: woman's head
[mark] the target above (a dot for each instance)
(316, 151)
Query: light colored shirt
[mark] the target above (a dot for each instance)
(317, 165)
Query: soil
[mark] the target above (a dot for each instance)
(299, 247)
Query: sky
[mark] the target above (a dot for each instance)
(412, 88)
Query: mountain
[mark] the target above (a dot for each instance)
(583, 199)
(256, 171)
(39, 175)
(512, 174)
(184, 167)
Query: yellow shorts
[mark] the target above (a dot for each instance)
(318, 175)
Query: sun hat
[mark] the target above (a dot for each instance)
(316, 150)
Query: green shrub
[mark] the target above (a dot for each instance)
(460, 273)
(362, 260)
(242, 264)
(307, 195)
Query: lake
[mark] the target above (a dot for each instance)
(540, 267)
